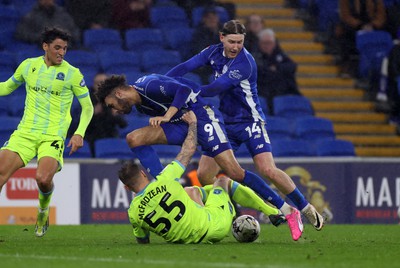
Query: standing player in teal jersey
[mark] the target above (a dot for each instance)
(175, 213)
(51, 84)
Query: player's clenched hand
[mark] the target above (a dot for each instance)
(189, 117)
(75, 143)
(156, 121)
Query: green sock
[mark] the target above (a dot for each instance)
(44, 199)
(246, 197)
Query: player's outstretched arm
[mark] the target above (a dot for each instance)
(190, 144)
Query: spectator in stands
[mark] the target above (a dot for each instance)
(393, 89)
(90, 14)
(357, 15)
(393, 15)
(46, 13)
(129, 14)
(189, 5)
(254, 25)
(276, 71)
(206, 34)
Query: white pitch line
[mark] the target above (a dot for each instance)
(144, 261)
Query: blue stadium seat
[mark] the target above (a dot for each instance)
(264, 105)
(83, 152)
(33, 52)
(161, 61)
(314, 128)
(292, 106)
(293, 148)
(7, 126)
(119, 62)
(144, 39)
(3, 106)
(168, 17)
(133, 122)
(335, 147)
(112, 148)
(197, 15)
(328, 14)
(5, 75)
(7, 38)
(7, 62)
(86, 61)
(180, 39)
(167, 151)
(373, 46)
(279, 128)
(10, 17)
(16, 105)
(102, 39)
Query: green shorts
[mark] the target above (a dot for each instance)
(221, 212)
(29, 145)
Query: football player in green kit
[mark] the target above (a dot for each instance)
(51, 84)
(184, 215)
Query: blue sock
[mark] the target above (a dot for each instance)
(298, 199)
(262, 188)
(149, 159)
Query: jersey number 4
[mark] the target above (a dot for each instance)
(167, 208)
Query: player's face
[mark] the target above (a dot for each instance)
(233, 44)
(55, 51)
(118, 102)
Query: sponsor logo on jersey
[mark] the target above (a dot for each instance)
(235, 74)
(33, 69)
(60, 76)
(82, 83)
(22, 184)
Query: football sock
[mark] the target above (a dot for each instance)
(246, 197)
(44, 198)
(298, 199)
(262, 188)
(149, 159)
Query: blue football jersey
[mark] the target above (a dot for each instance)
(159, 92)
(235, 82)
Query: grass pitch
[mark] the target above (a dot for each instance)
(114, 246)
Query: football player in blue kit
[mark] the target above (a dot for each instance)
(166, 99)
(236, 85)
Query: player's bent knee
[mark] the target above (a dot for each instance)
(133, 140)
(236, 174)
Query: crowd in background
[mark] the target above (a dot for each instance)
(276, 70)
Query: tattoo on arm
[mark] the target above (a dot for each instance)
(189, 145)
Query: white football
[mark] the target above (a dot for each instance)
(245, 228)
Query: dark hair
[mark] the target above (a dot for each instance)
(51, 34)
(108, 85)
(233, 27)
(128, 172)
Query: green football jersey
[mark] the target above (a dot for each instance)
(49, 95)
(165, 208)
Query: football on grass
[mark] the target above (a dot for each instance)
(245, 228)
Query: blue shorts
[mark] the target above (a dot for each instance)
(253, 134)
(211, 132)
